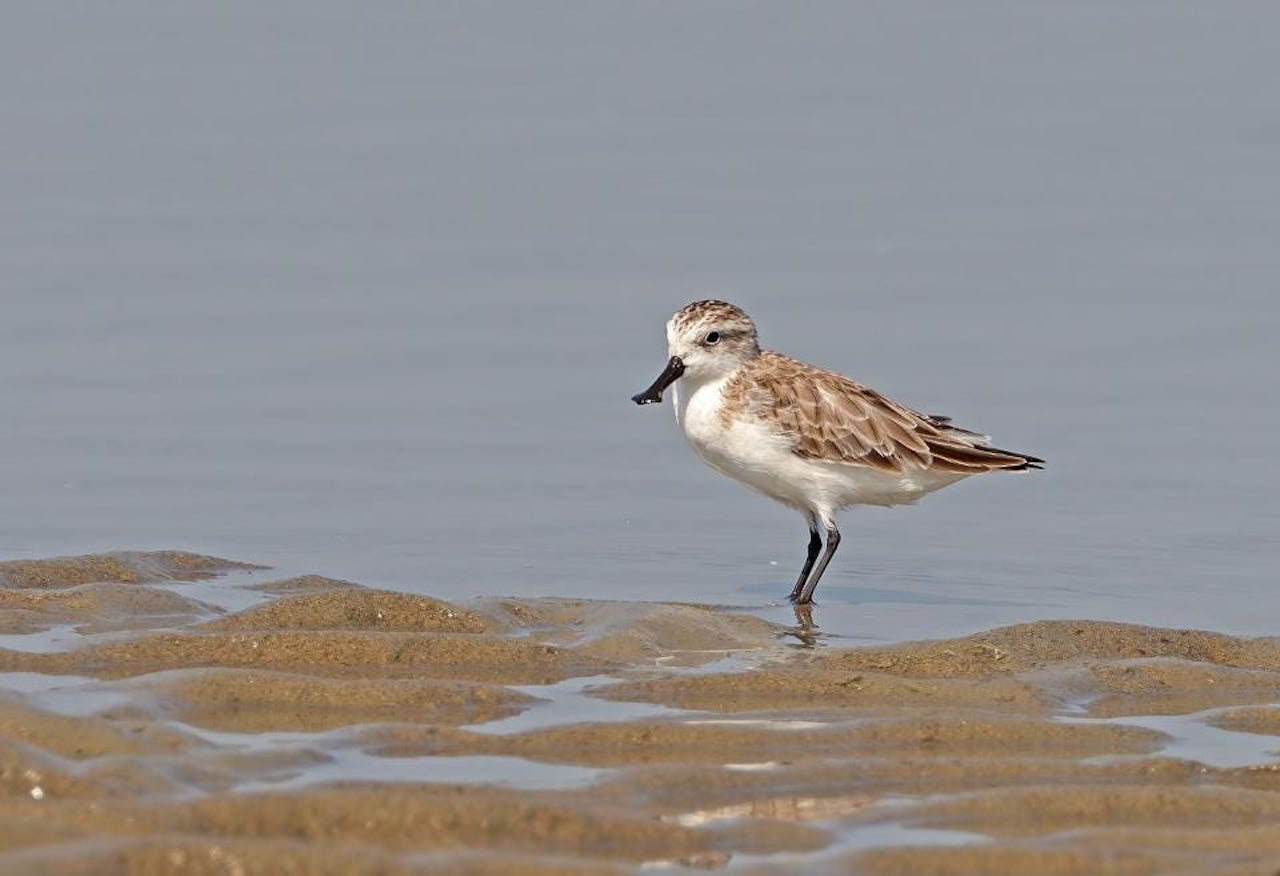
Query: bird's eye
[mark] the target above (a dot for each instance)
(712, 338)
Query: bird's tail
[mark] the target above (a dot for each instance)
(967, 449)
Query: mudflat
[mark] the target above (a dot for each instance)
(169, 712)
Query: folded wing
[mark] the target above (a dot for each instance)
(836, 419)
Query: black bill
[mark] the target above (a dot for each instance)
(669, 375)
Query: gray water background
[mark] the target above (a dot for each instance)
(363, 289)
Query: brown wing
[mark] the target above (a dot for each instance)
(836, 419)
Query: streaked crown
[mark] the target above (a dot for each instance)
(720, 315)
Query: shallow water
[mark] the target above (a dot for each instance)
(364, 292)
(568, 702)
(1192, 737)
(341, 712)
(367, 292)
(356, 766)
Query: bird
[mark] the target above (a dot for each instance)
(812, 439)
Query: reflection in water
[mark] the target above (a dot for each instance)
(1195, 737)
(779, 808)
(712, 860)
(568, 702)
(354, 765)
(805, 630)
(767, 723)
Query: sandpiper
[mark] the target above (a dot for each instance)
(810, 438)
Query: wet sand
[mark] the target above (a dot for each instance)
(167, 712)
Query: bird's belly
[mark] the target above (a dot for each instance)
(751, 452)
(765, 461)
(758, 458)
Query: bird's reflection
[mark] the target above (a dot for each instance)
(805, 630)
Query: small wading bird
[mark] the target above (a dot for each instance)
(809, 438)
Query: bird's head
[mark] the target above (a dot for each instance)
(706, 340)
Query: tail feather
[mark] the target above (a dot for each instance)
(973, 450)
(968, 458)
(1029, 462)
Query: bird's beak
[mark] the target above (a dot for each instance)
(669, 375)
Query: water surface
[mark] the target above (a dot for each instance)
(365, 291)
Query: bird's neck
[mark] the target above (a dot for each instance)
(702, 391)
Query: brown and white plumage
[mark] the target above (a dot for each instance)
(833, 418)
(807, 437)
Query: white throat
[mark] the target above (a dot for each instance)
(696, 401)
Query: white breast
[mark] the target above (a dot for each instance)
(744, 449)
(698, 412)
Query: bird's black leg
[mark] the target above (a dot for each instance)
(815, 545)
(833, 542)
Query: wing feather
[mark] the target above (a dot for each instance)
(833, 418)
